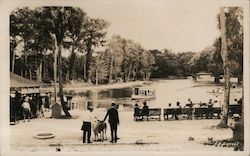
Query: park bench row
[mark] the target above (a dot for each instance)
(188, 113)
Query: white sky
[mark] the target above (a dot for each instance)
(159, 24)
(179, 25)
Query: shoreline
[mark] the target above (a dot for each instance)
(84, 87)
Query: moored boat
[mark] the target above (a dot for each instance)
(143, 93)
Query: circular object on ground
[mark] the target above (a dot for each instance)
(45, 136)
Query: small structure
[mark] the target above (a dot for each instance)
(56, 110)
(24, 87)
(203, 76)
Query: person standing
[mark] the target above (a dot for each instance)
(47, 102)
(26, 109)
(113, 121)
(86, 126)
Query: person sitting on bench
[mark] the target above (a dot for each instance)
(210, 109)
(177, 111)
(136, 112)
(145, 110)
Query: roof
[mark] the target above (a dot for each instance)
(17, 81)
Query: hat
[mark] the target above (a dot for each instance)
(236, 116)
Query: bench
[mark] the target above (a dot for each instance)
(234, 109)
(174, 112)
(187, 112)
(207, 112)
(153, 113)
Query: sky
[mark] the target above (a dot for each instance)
(158, 24)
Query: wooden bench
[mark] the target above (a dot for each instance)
(206, 112)
(153, 113)
(234, 109)
(187, 112)
(171, 111)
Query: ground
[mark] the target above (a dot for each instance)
(157, 135)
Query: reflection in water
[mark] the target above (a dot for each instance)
(101, 98)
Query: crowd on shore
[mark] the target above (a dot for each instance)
(28, 106)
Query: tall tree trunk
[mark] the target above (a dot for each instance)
(13, 61)
(63, 103)
(224, 51)
(96, 76)
(111, 69)
(25, 60)
(73, 65)
(84, 69)
(129, 72)
(55, 64)
(30, 75)
(39, 72)
(88, 61)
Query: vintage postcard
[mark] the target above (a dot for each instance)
(125, 77)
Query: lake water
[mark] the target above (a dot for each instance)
(167, 91)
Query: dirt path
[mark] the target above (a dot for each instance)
(153, 135)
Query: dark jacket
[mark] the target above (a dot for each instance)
(113, 116)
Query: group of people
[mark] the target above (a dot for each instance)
(89, 118)
(139, 114)
(29, 106)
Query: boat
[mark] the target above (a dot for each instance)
(143, 93)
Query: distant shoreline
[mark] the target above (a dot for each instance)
(84, 86)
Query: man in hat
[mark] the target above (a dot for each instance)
(238, 131)
(86, 126)
(113, 121)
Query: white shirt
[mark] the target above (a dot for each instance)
(26, 105)
(88, 116)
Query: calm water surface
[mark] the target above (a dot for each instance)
(167, 91)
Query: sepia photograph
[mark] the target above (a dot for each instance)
(102, 77)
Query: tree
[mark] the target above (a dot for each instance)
(22, 28)
(94, 31)
(224, 53)
(57, 22)
(127, 60)
(184, 63)
(234, 26)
